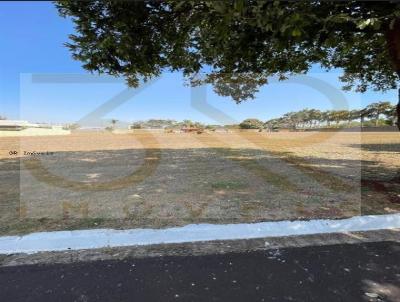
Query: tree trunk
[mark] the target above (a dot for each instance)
(393, 44)
(398, 110)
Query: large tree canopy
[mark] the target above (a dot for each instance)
(238, 44)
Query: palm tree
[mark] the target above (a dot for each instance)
(376, 109)
(272, 124)
(382, 108)
(187, 123)
(290, 119)
(113, 122)
(365, 113)
(338, 115)
(352, 115)
(391, 115)
(305, 118)
(328, 117)
(315, 116)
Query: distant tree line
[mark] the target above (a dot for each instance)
(167, 124)
(375, 114)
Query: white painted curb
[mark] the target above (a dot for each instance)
(99, 238)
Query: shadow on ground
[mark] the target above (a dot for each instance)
(388, 148)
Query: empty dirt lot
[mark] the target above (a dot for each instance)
(155, 179)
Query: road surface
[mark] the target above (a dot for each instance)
(343, 272)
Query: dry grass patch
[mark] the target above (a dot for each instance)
(168, 179)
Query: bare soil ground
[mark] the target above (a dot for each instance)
(150, 179)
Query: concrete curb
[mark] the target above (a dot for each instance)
(100, 238)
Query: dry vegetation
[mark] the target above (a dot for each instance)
(150, 179)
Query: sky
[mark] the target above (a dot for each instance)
(40, 82)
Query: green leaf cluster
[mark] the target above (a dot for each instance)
(236, 44)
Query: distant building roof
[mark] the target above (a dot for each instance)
(18, 123)
(13, 123)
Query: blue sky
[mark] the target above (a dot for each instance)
(32, 36)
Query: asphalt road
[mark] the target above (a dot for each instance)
(356, 272)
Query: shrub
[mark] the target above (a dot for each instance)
(251, 123)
